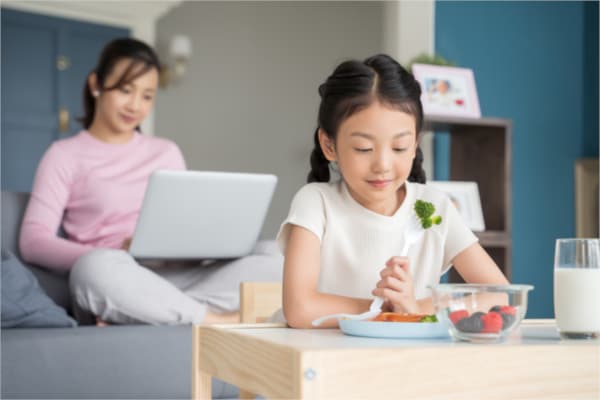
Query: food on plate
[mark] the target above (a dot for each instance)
(400, 317)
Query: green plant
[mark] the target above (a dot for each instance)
(434, 59)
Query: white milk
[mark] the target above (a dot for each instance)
(577, 299)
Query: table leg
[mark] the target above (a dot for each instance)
(201, 386)
(201, 381)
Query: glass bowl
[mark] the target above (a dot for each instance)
(480, 313)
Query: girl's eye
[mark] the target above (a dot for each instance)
(148, 98)
(362, 150)
(124, 90)
(400, 149)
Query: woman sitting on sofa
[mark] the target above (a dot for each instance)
(92, 184)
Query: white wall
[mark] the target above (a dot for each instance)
(249, 100)
(409, 30)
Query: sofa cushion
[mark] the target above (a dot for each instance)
(55, 284)
(24, 303)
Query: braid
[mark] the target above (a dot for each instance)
(417, 173)
(319, 165)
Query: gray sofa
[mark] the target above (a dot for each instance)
(134, 361)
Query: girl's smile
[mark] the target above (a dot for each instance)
(380, 183)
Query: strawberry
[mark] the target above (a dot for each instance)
(456, 316)
(508, 310)
(492, 322)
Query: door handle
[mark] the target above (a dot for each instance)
(63, 121)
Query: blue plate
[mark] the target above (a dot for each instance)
(395, 330)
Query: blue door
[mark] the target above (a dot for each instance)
(45, 61)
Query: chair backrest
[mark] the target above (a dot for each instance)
(259, 300)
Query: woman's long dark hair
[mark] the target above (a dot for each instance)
(353, 86)
(142, 57)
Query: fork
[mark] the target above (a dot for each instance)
(374, 309)
(413, 232)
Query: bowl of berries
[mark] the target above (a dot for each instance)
(480, 313)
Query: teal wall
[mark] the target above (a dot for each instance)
(535, 63)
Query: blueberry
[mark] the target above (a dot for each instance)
(478, 314)
(472, 324)
(495, 309)
(507, 320)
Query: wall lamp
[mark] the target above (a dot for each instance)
(179, 52)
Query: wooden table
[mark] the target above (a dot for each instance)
(279, 362)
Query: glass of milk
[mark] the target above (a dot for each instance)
(577, 288)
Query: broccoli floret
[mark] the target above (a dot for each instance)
(424, 211)
(429, 318)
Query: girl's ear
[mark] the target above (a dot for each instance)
(93, 84)
(327, 146)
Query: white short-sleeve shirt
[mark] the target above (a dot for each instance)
(356, 242)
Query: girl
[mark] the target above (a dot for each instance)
(342, 239)
(92, 186)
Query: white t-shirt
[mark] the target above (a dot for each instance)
(356, 242)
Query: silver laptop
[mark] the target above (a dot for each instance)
(201, 214)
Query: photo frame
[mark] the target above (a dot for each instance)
(447, 91)
(465, 196)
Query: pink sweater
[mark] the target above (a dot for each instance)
(95, 190)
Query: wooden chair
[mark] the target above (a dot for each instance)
(258, 301)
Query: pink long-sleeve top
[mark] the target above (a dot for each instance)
(94, 190)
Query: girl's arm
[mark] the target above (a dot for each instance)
(476, 266)
(473, 264)
(302, 302)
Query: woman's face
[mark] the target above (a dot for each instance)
(374, 149)
(124, 108)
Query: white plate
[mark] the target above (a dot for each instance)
(396, 330)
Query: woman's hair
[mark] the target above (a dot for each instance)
(353, 86)
(138, 52)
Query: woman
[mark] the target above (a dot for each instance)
(92, 185)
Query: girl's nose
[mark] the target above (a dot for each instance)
(382, 162)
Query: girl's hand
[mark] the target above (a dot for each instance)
(396, 286)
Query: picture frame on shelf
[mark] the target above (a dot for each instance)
(447, 91)
(465, 197)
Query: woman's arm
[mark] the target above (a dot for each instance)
(302, 302)
(38, 241)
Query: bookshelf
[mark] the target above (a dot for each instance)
(481, 151)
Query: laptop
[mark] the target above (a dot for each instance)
(201, 214)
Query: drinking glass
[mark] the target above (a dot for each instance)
(577, 288)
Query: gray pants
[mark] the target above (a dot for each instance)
(118, 288)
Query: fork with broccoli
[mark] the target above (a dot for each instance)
(424, 211)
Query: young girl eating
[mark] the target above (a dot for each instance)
(343, 237)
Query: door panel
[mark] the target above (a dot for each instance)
(34, 88)
(29, 94)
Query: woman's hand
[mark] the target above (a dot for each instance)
(396, 286)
